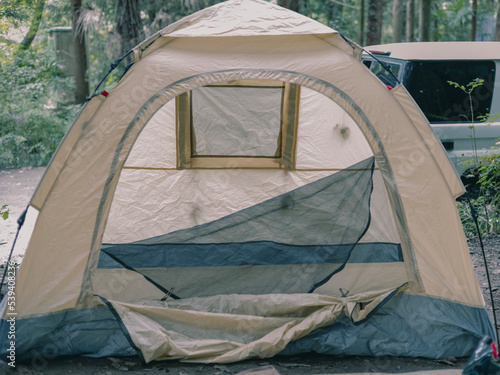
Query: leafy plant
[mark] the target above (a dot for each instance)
(33, 116)
(488, 118)
(468, 89)
(30, 138)
(484, 176)
(4, 212)
(488, 219)
(487, 175)
(489, 179)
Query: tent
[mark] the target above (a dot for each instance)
(248, 188)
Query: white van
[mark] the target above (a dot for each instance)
(426, 70)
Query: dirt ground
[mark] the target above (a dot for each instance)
(16, 188)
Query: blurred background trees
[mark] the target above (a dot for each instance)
(111, 28)
(40, 92)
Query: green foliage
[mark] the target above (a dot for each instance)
(14, 262)
(33, 118)
(343, 18)
(30, 138)
(13, 13)
(488, 219)
(26, 78)
(486, 200)
(452, 19)
(469, 87)
(485, 174)
(488, 118)
(489, 179)
(4, 212)
(454, 15)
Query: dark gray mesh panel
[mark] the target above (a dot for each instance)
(288, 244)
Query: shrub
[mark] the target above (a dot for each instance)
(33, 115)
(485, 198)
(4, 212)
(30, 138)
(489, 179)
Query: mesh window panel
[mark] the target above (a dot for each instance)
(236, 121)
(292, 243)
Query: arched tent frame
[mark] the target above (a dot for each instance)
(162, 97)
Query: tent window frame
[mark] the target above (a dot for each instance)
(285, 156)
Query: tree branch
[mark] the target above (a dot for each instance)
(7, 41)
(35, 24)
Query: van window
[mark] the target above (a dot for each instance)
(427, 82)
(383, 74)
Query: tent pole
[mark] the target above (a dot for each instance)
(475, 216)
(114, 64)
(20, 223)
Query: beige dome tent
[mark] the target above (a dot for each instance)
(248, 188)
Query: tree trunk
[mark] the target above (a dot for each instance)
(35, 24)
(128, 24)
(397, 21)
(330, 11)
(79, 55)
(290, 4)
(374, 32)
(473, 21)
(410, 21)
(425, 21)
(336, 9)
(362, 23)
(497, 25)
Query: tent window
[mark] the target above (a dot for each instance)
(238, 124)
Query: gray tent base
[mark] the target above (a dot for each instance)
(425, 328)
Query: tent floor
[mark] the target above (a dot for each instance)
(306, 364)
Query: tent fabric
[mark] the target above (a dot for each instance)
(257, 324)
(433, 144)
(422, 326)
(63, 151)
(95, 332)
(223, 20)
(318, 240)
